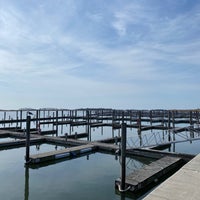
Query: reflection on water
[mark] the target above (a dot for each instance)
(82, 178)
(26, 188)
(88, 177)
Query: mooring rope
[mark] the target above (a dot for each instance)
(125, 190)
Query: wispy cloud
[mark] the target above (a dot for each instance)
(135, 47)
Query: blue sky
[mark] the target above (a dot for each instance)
(130, 54)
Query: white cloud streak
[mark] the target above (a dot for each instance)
(141, 54)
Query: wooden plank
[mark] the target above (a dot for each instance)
(143, 177)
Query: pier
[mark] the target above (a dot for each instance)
(72, 129)
(68, 152)
(150, 174)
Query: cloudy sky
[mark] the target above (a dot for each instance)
(135, 54)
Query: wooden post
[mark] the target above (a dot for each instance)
(87, 126)
(174, 135)
(9, 118)
(39, 115)
(113, 132)
(122, 117)
(28, 120)
(139, 122)
(36, 119)
(191, 121)
(169, 119)
(4, 118)
(72, 127)
(169, 125)
(17, 118)
(163, 118)
(75, 136)
(173, 118)
(116, 140)
(53, 119)
(76, 115)
(196, 116)
(150, 117)
(62, 114)
(53, 116)
(20, 118)
(123, 157)
(113, 121)
(56, 122)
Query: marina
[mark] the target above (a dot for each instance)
(81, 132)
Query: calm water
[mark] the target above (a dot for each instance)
(88, 177)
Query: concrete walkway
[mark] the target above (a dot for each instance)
(184, 184)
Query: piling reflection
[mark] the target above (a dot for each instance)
(122, 196)
(26, 186)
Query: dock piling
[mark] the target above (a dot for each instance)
(28, 120)
(66, 135)
(123, 158)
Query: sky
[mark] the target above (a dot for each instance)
(120, 54)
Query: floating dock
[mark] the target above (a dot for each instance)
(141, 119)
(20, 143)
(142, 178)
(13, 124)
(64, 153)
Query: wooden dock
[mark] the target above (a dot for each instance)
(64, 153)
(140, 179)
(20, 143)
(184, 184)
(143, 120)
(47, 132)
(12, 123)
(156, 154)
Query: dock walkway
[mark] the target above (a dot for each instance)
(142, 178)
(63, 153)
(184, 184)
